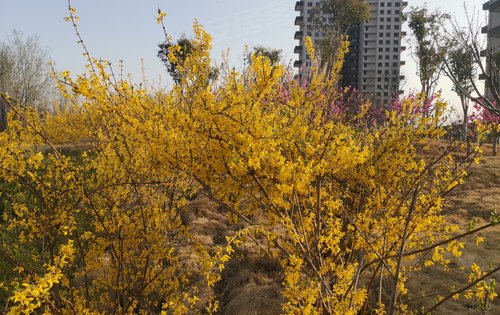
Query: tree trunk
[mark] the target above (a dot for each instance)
(495, 141)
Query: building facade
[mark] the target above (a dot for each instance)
(492, 31)
(374, 60)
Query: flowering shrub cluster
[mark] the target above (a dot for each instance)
(348, 208)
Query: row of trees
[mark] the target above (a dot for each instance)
(25, 73)
(443, 45)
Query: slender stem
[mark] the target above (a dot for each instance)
(461, 290)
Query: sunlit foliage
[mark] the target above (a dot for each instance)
(347, 208)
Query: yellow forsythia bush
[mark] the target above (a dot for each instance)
(347, 207)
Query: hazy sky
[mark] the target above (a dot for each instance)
(126, 29)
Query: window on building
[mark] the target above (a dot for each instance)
(379, 57)
(309, 4)
(396, 42)
(396, 19)
(381, 11)
(380, 49)
(388, 34)
(396, 34)
(381, 19)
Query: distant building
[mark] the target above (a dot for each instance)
(374, 60)
(492, 31)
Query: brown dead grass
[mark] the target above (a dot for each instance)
(474, 200)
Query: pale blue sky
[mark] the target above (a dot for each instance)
(126, 29)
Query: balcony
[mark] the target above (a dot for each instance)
(401, 77)
(404, 4)
(299, 6)
(492, 6)
(299, 35)
(297, 50)
(494, 32)
(403, 48)
(403, 34)
(484, 53)
(299, 20)
(402, 62)
(484, 29)
(297, 63)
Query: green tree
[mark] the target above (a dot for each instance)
(274, 55)
(174, 56)
(180, 51)
(459, 66)
(429, 51)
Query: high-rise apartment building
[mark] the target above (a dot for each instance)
(374, 60)
(492, 31)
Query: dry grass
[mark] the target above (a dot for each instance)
(475, 200)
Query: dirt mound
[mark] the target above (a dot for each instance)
(250, 285)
